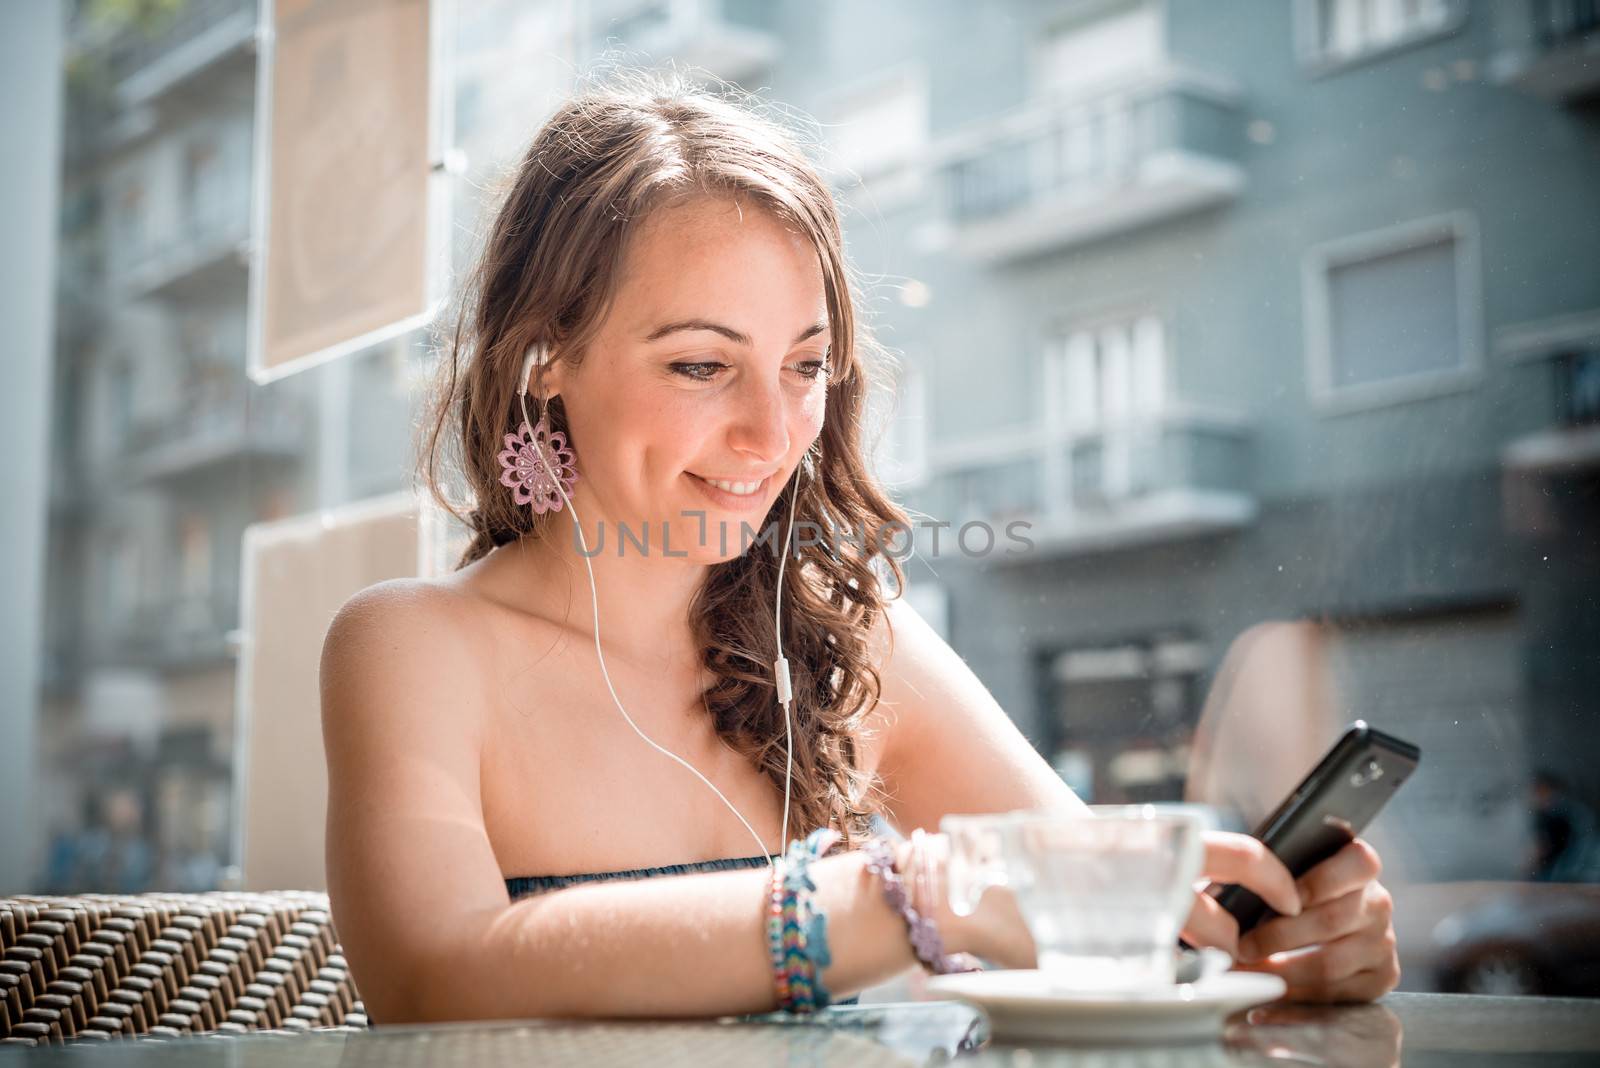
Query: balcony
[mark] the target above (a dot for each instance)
(1560, 60)
(211, 432)
(204, 256)
(1183, 473)
(1572, 443)
(183, 631)
(733, 39)
(1070, 171)
(201, 35)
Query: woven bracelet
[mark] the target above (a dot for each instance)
(775, 946)
(797, 930)
(925, 940)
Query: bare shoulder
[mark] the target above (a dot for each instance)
(408, 615)
(401, 637)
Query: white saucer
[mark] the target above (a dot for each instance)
(1020, 1004)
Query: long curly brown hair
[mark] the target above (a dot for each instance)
(595, 170)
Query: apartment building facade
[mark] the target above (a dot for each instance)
(1260, 315)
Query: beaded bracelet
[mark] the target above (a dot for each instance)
(925, 940)
(775, 929)
(797, 933)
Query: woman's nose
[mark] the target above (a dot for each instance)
(761, 423)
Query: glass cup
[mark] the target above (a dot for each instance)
(1104, 891)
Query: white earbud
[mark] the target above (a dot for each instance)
(535, 356)
(780, 667)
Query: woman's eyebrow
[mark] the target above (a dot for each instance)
(728, 332)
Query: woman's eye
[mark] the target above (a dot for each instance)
(703, 371)
(812, 368)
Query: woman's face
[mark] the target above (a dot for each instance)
(705, 384)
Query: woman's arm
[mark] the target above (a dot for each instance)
(419, 899)
(948, 745)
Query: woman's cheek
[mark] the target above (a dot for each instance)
(812, 410)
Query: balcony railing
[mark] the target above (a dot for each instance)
(1562, 60)
(1107, 469)
(733, 39)
(205, 249)
(176, 631)
(146, 61)
(1181, 473)
(210, 431)
(1074, 170)
(1571, 439)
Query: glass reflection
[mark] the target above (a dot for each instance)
(1275, 326)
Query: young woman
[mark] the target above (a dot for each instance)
(666, 283)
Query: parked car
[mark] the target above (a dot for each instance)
(1522, 938)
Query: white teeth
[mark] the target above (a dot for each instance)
(743, 489)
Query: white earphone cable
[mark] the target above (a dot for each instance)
(594, 597)
(780, 667)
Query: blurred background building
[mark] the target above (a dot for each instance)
(1276, 323)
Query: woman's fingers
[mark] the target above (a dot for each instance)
(1349, 869)
(1239, 858)
(1209, 924)
(1369, 985)
(1367, 907)
(1357, 967)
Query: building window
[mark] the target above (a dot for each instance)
(1123, 717)
(1105, 388)
(1108, 373)
(1080, 56)
(1334, 32)
(1393, 315)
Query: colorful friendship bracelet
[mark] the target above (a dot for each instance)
(797, 934)
(775, 926)
(925, 940)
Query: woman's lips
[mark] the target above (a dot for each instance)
(736, 502)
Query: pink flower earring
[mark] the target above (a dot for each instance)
(538, 465)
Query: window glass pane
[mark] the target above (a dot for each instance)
(1083, 380)
(1395, 315)
(1200, 302)
(1149, 364)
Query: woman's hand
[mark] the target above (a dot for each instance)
(1347, 923)
(1237, 858)
(1333, 940)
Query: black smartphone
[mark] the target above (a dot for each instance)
(1330, 807)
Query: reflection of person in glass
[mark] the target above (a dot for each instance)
(662, 336)
(1363, 1036)
(1563, 831)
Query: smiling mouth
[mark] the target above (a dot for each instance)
(737, 489)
